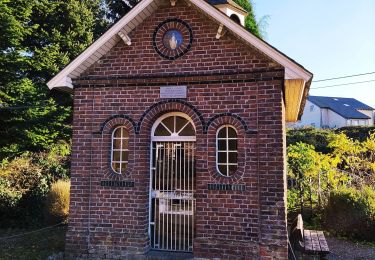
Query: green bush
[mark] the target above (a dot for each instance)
(57, 203)
(9, 197)
(360, 133)
(293, 199)
(25, 181)
(319, 138)
(351, 212)
(23, 185)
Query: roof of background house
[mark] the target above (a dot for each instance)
(222, 2)
(345, 107)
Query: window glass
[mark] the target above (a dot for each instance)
(169, 123)
(223, 169)
(175, 126)
(222, 157)
(231, 132)
(161, 131)
(226, 153)
(180, 123)
(232, 145)
(120, 150)
(188, 130)
(116, 156)
(222, 145)
(222, 133)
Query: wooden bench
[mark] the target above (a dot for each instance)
(308, 241)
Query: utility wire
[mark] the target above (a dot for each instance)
(34, 231)
(345, 84)
(31, 106)
(344, 77)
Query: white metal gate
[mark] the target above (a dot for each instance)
(172, 196)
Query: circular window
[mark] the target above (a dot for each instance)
(172, 38)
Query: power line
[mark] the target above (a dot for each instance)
(344, 77)
(34, 231)
(42, 105)
(345, 84)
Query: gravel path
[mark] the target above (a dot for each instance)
(342, 249)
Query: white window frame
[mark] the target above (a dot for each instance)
(119, 150)
(227, 151)
(173, 137)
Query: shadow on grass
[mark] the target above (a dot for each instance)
(38, 245)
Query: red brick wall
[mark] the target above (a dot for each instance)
(222, 76)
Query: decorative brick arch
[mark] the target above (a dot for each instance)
(106, 129)
(241, 127)
(228, 114)
(117, 119)
(171, 105)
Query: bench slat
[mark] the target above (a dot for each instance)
(307, 240)
(323, 242)
(315, 240)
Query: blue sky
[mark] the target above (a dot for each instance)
(330, 38)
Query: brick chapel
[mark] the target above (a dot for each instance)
(179, 136)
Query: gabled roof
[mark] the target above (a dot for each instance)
(297, 78)
(143, 10)
(345, 107)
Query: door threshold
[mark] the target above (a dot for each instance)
(168, 255)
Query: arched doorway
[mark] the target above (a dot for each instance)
(172, 175)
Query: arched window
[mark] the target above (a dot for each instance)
(174, 126)
(120, 149)
(226, 150)
(235, 18)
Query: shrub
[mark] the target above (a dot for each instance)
(25, 181)
(351, 212)
(9, 197)
(293, 199)
(22, 185)
(57, 203)
(360, 133)
(319, 138)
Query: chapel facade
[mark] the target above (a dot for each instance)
(179, 136)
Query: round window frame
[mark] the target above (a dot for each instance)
(217, 150)
(155, 37)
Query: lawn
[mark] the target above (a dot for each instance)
(37, 245)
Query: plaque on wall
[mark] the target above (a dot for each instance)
(173, 92)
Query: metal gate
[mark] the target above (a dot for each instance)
(172, 196)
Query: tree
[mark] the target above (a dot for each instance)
(356, 158)
(37, 39)
(250, 20)
(313, 172)
(115, 9)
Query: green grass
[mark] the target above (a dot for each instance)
(38, 245)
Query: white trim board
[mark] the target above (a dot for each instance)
(140, 12)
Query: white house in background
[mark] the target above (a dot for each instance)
(335, 112)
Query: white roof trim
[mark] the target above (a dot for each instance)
(292, 69)
(62, 79)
